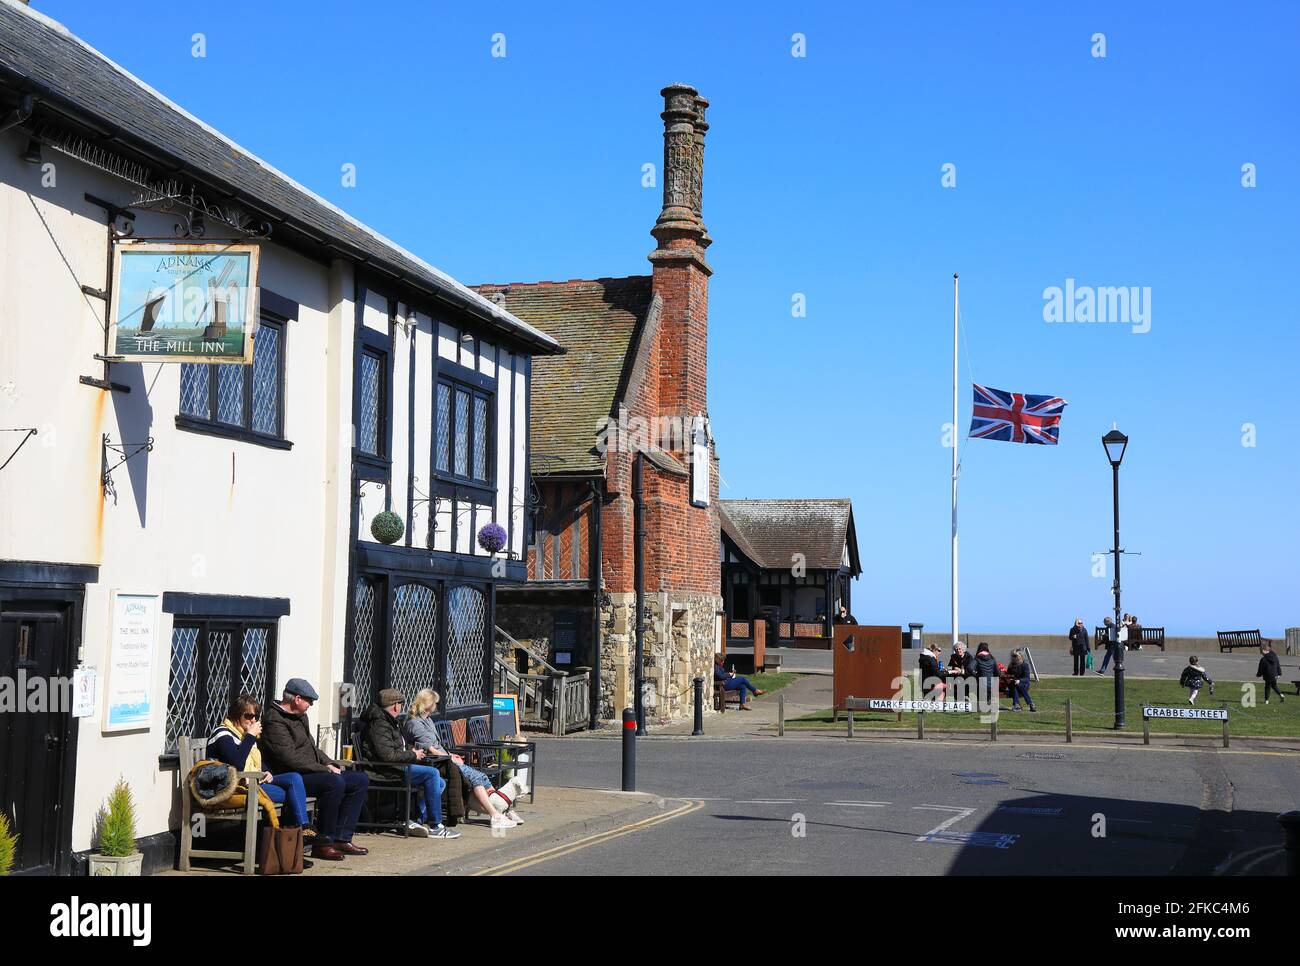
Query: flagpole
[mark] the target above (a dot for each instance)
(954, 459)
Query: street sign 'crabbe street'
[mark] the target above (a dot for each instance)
(897, 704)
(1206, 714)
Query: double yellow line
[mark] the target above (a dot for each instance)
(517, 865)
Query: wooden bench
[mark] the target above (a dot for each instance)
(1231, 639)
(1150, 635)
(192, 751)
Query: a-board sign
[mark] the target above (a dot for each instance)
(505, 715)
(897, 704)
(1204, 714)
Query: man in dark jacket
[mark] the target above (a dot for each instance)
(1270, 669)
(1113, 648)
(986, 671)
(287, 745)
(1079, 647)
(382, 741)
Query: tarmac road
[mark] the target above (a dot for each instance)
(824, 806)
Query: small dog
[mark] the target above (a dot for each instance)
(504, 798)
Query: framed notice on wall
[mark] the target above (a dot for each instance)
(133, 639)
(177, 302)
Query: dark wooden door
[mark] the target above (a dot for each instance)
(35, 655)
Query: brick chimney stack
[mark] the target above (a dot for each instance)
(681, 274)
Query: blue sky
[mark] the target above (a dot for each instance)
(823, 177)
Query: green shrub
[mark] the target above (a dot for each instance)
(387, 527)
(8, 845)
(117, 822)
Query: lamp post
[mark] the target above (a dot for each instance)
(1115, 443)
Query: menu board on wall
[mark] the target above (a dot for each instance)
(133, 636)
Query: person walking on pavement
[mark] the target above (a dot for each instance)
(1112, 645)
(1270, 669)
(1079, 647)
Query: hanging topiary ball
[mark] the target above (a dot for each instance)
(492, 537)
(387, 527)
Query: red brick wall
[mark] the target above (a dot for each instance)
(565, 518)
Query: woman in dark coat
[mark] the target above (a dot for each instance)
(1018, 672)
(933, 677)
(1079, 647)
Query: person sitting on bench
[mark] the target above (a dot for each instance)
(731, 681)
(418, 729)
(234, 743)
(382, 742)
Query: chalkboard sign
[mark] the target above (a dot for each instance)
(505, 716)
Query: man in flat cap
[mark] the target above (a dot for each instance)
(382, 741)
(287, 745)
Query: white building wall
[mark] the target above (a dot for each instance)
(199, 514)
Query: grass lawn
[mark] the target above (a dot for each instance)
(776, 680)
(1094, 710)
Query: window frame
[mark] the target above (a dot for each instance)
(205, 624)
(211, 426)
(459, 378)
(374, 466)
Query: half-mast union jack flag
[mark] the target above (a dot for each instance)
(1016, 417)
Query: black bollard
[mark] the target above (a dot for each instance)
(699, 707)
(629, 750)
(1290, 821)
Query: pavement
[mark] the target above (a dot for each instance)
(1145, 663)
(560, 818)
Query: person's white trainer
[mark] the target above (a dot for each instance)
(415, 830)
(502, 822)
(442, 832)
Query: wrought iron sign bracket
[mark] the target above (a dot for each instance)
(112, 215)
(126, 451)
(28, 434)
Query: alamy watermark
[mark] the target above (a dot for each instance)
(1117, 304)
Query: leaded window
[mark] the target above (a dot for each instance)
(463, 432)
(212, 661)
(364, 614)
(370, 403)
(237, 396)
(413, 657)
(467, 644)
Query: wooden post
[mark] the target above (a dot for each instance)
(1146, 730)
(920, 725)
(1069, 720)
(1225, 726)
(993, 728)
(780, 713)
(557, 708)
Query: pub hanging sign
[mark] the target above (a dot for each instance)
(176, 302)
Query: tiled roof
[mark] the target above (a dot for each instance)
(597, 322)
(772, 532)
(69, 78)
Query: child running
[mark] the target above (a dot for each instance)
(1194, 678)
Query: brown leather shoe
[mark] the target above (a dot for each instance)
(330, 853)
(347, 848)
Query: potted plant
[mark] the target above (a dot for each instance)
(8, 845)
(117, 853)
(387, 527)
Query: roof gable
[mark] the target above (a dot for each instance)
(598, 322)
(772, 533)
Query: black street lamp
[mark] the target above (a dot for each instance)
(1115, 443)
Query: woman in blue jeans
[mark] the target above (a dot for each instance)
(234, 742)
(1018, 672)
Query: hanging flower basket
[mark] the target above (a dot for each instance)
(492, 537)
(387, 527)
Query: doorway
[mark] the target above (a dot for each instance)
(37, 651)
